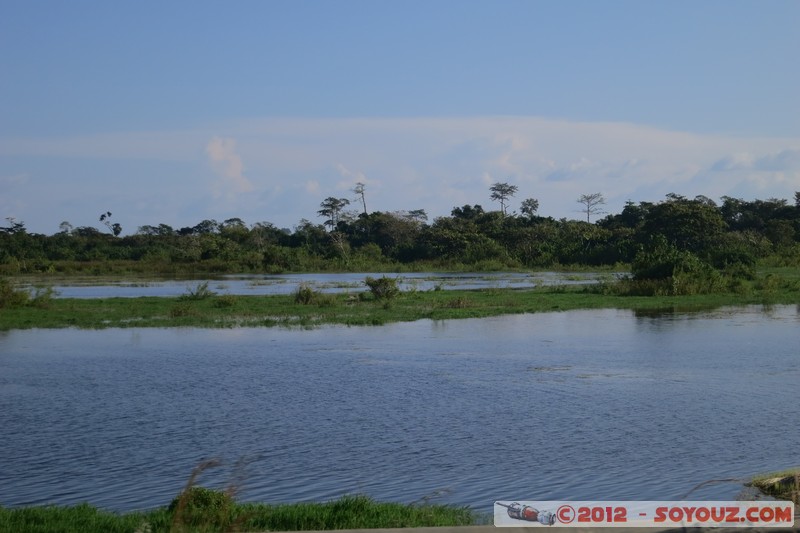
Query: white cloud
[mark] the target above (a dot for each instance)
(312, 187)
(784, 161)
(578, 170)
(787, 160)
(733, 162)
(408, 163)
(222, 153)
(351, 178)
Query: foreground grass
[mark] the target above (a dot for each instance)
(219, 514)
(218, 311)
(784, 485)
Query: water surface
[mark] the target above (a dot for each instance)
(600, 404)
(262, 284)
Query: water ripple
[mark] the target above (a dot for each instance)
(579, 405)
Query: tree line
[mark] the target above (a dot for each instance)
(653, 238)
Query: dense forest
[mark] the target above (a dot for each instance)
(655, 240)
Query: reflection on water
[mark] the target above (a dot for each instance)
(601, 404)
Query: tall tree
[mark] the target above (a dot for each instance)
(418, 215)
(65, 227)
(114, 228)
(359, 189)
(14, 226)
(331, 209)
(206, 226)
(529, 207)
(501, 192)
(591, 204)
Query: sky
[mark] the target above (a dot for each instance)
(181, 111)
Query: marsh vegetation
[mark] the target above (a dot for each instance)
(380, 302)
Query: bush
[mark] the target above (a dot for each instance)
(383, 288)
(42, 297)
(662, 261)
(304, 294)
(10, 297)
(701, 279)
(200, 292)
(736, 258)
(740, 271)
(663, 269)
(199, 506)
(770, 284)
(740, 286)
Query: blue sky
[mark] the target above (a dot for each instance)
(174, 112)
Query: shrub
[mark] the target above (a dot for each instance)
(304, 294)
(740, 286)
(741, 271)
(200, 292)
(10, 297)
(662, 261)
(701, 279)
(199, 506)
(382, 288)
(42, 297)
(770, 284)
(663, 269)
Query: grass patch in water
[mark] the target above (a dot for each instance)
(308, 307)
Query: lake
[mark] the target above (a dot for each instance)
(600, 404)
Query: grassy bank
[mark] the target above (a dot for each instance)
(307, 308)
(210, 511)
(784, 485)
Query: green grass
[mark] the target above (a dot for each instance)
(215, 511)
(53, 519)
(783, 485)
(215, 311)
